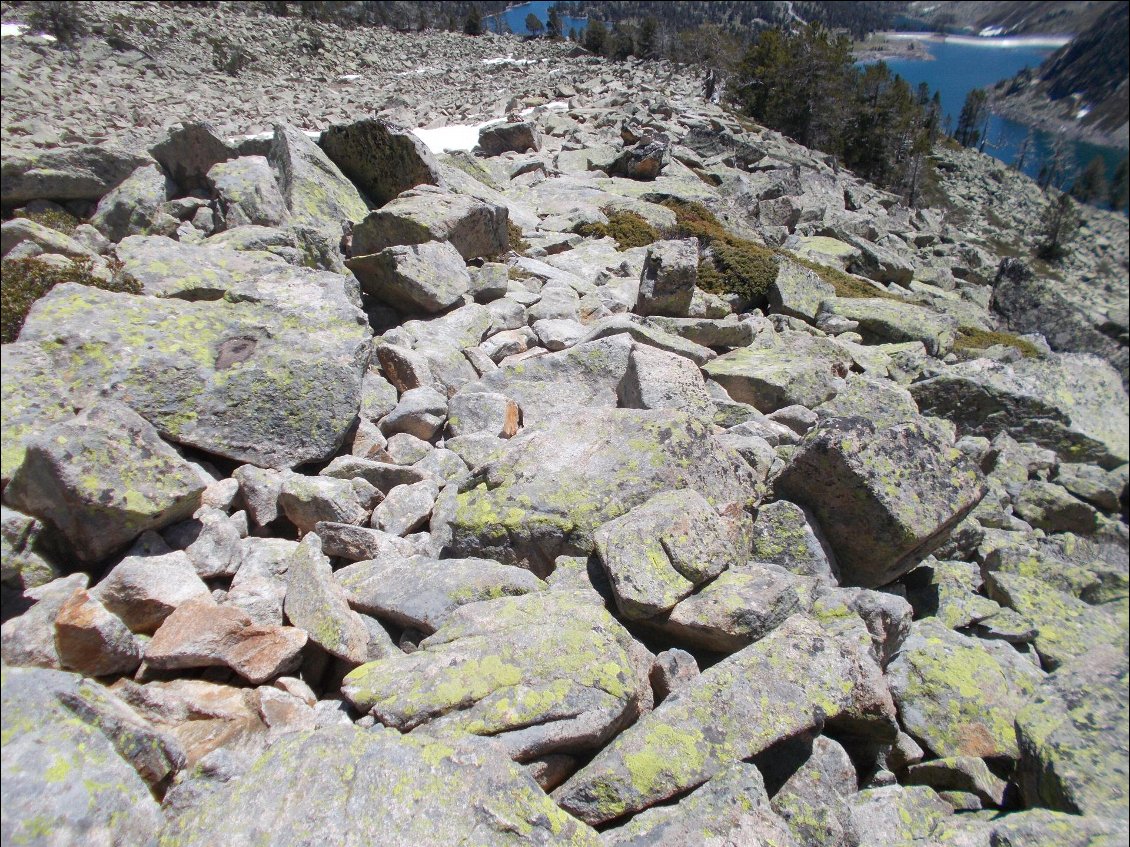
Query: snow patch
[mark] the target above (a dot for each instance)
(991, 31)
(16, 30)
(349, 78)
(1010, 41)
(509, 60)
(1082, 113)
(445, 139)
(555, 106)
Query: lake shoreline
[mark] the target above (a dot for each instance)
(890, 46)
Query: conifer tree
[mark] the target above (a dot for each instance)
(1120, 186)
(596, 37)
(973, 120)
(1091, 185)
(1061, 224)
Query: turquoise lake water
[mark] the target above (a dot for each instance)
(515, 18)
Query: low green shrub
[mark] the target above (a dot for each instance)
(56, 219)
(517, 243)
(26, 280)
(969, 338)
(628, 229)
(845, 284)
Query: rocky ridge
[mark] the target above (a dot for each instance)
(470, 538)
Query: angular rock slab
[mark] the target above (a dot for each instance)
(884, 498)
(733, 806)
(66, 173)
(958, 697)
(474, 227)
(64, 783)
(380, 158)
(554, 485)
(1072, 404)
(771, 378)
(890, 320)
(544, 672)
(1073, 737)
(660, 551)
(102, 479)
(406, 791)
(316, 603)
(275, 386)
(428, 277)
(316, 192)
(788, 683)
(423, 593)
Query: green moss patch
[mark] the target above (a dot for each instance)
(732, 265)
(26, 280)
(629, 229)
(970, 338)
(55, 219)
(845, 284)
(517, 242)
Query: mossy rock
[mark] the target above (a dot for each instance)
(629, 229)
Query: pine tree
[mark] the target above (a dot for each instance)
(1061, 224)
(534, 25)
(1117, 196)
(1091, 184)
(596, 37)
(648, 40)
(553, 28)
(973, 120)
(473, 25)
(1023, 152)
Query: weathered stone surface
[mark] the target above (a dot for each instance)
(103, 478)
(247, 194)
(201, 634)
(1072, 404)
(1051, 507)
(488, 412)
(1096, 486)
(884, 498)
(783, 535)
(1056, 829)
(423, 593)
(517, 137)
(553, 486)
(474, 227)
(732, 611)
(660, 551)
(406, 508)
(316, 192)
(259, 493)
(671, 670)
(543, 672)
(644, 332)
(890, 320)
(306, 500)
(93, 641)
(20, 231)
(797, 370)
(144, 590)
(733, 807)
(586, 376)
(134, 207)
(277, 385)
(22, 565)
(656, 379)
(814, 800)
(879, 400)
(420, 412)
(1065, 627)
(189, 151)
(959, 773)
(958, 697)
(29, 639)
(317, 604)
(427, 277)
(381, 158)
(894, 815)
(798, 291)
(448, 792)
(66, 173)
(736, 709)
(384, 476)
(64, 783)
(670, 272)
(359, 543)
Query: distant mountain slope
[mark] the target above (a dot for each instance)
(1013, 17)
(1084, 83)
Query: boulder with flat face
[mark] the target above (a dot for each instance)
(777, 688)
(884, 498)
(427, 277)
(553, 485)
(380, 158)
(87, 172)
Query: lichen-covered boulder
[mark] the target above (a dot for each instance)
(957, 696)
(542, 672)
(317, 604)
(790, 368)
(814, 799)
(423, 593)
(891, 320)
(1072, 404)
(427, 277)
(380, 158)
(189, 151)
(247, 194)
(552, 486)
(1073, 737)
(884, 498)
(276, 383)
(788, 683)
(134, 207)
(670, 271)
(516, 136)
(102, 479)
(657, 379)
(404, 790)
(317, 194)
(783, 535)
(85, 172)
(798, 291)
(733, 807)
(898, 816)
(426, 213)
(64, 783)
(660, 551)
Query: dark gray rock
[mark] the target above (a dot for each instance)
(87, 172)
(189, 151)
(380, 158)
